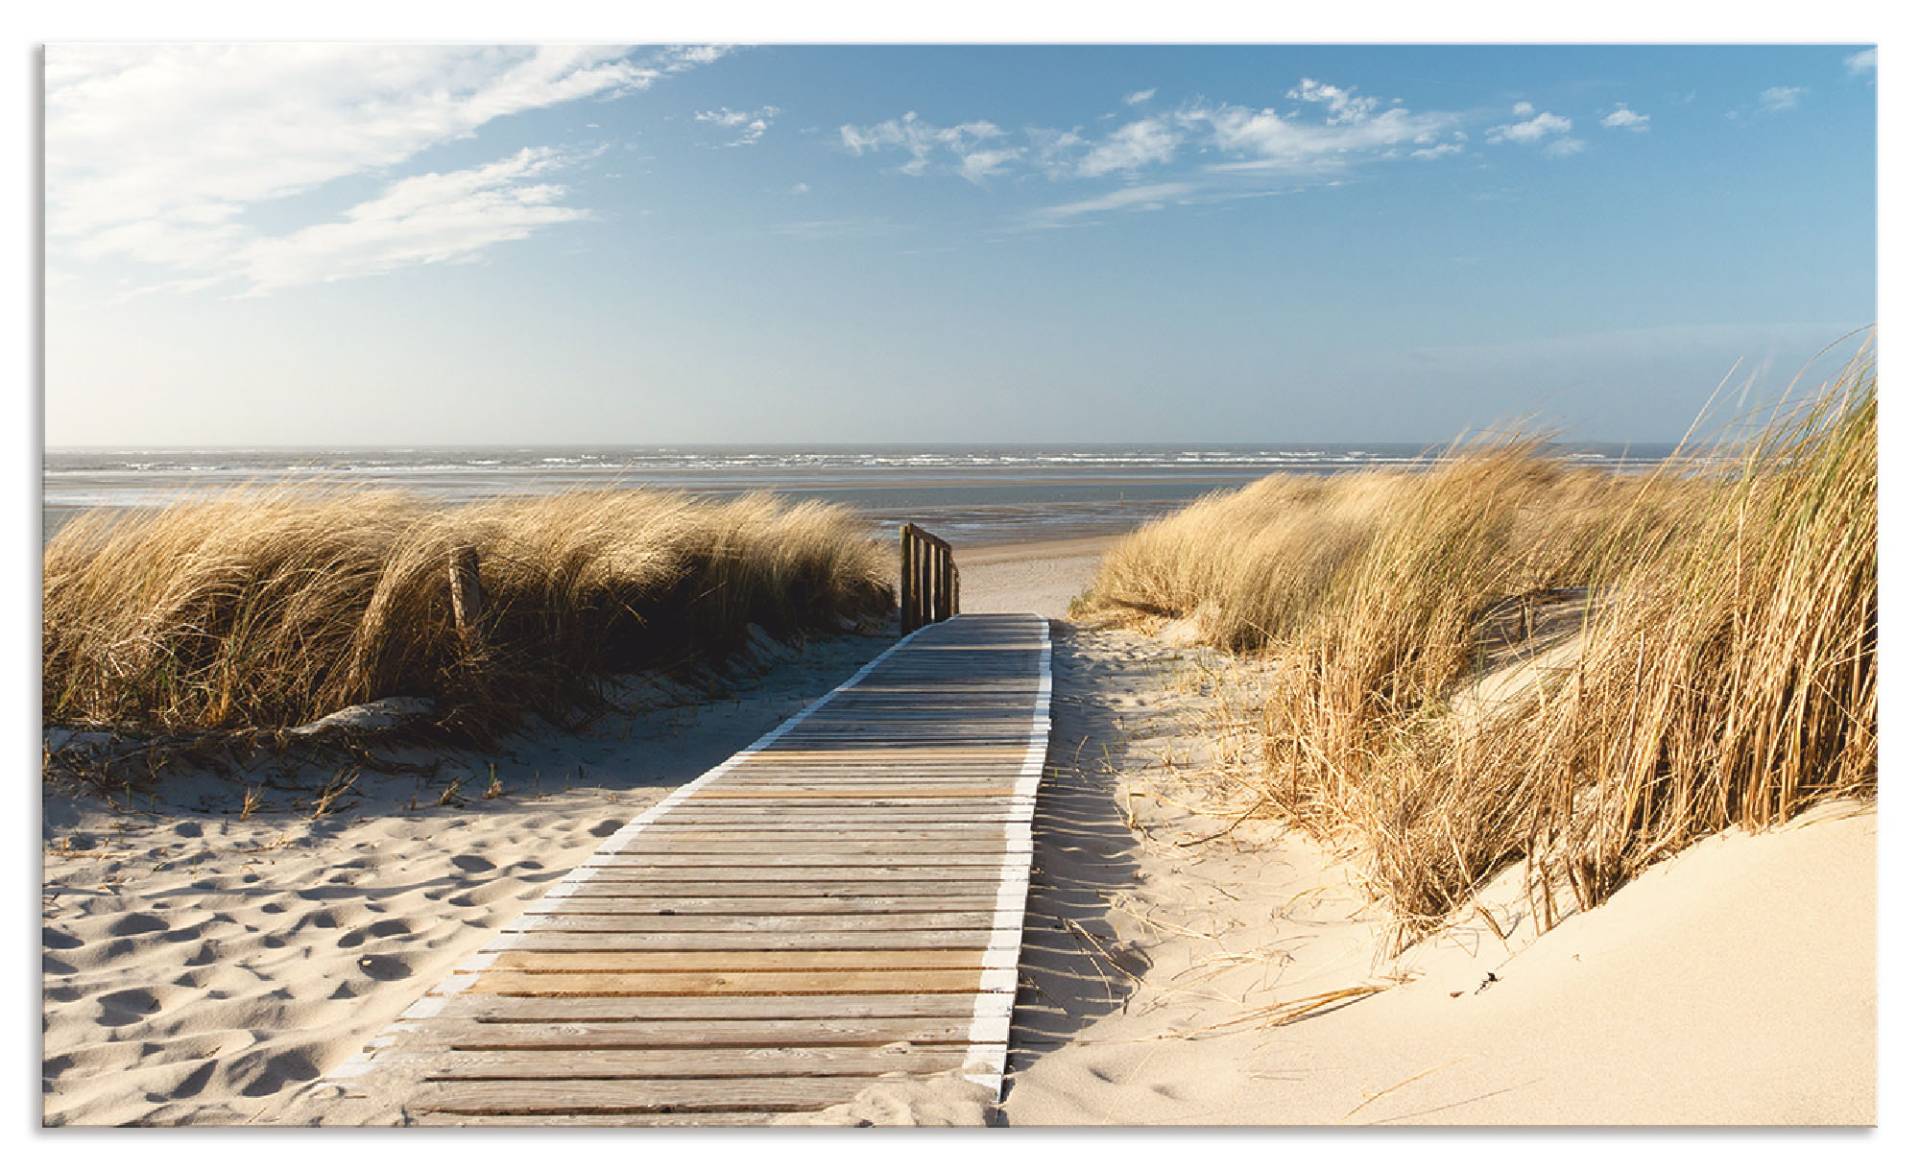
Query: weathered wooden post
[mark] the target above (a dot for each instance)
(929, 579)
(906, 579)
(469, 599)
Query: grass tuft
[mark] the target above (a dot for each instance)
(273, 607)
(1720, 670)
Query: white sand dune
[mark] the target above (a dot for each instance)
(1733, 984)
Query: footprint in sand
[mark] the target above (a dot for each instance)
(132, 924)
(385, 968)
(120, 1008)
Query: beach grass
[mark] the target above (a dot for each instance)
(271, 607)
(1720, 669)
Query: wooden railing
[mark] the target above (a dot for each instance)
(929, 580)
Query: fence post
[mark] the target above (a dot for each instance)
(906, 579)
(463, 582)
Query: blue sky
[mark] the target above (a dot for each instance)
(406, 245)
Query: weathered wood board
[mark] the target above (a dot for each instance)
(837, 904)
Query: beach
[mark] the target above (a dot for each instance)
(204, 967)
(1187, 967)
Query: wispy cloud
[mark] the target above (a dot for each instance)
(1551, 132)
(1205, 152)
(1539, 126)
(1781, 98)
(1148, 142)
(1865, 63)
(1140, 96)
(425, 219)
(1329, 129)
(1147, 197)
(159, 155)
(1354, 131)
(965, 147)
(750, 126)
(1623, 118)
(680, 58)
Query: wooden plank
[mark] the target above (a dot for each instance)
(713, 1119)
(754, 923)
(741, 875)
(842, 901)
(594, 899)
(909, 982)
(671, 838)
(536, 1098)
(835, 1010)
(828, 893)
(816, 856)
(896, 793)
(931, 959)
(602, 1034)
(672, 1064)
(722, 939)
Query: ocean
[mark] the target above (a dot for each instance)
(973, 494)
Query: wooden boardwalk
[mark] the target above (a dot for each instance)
(842, 901)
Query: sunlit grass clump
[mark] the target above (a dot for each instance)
(1724, 666)
(273, 607)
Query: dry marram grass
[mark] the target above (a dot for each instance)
(272, 607)
(1723, 668)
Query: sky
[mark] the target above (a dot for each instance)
(407, 245)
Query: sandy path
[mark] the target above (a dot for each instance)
(203, 968)
(1041, 577)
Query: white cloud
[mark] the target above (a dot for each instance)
(1267, 140)
(1055, 152)
(1624, 119)
(158, 154)
(751, 124)
(1149, 197)
(425, 219)
(1135, 145)
(1140, 96)
(1780, 98)
(1343, 105)
(923, 142)
(1563, 147)
(799, 189)
(978, 165)
(680, 58)
(1352, 129)
(1522, 109)
(1437, 150)
(1864, 62)
(1542, 125)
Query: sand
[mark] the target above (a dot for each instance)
(204, 968)
(1733, 984)
(1040, 577)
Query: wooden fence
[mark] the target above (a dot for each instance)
(929, 580)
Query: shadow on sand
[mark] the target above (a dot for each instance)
(1072, 970)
